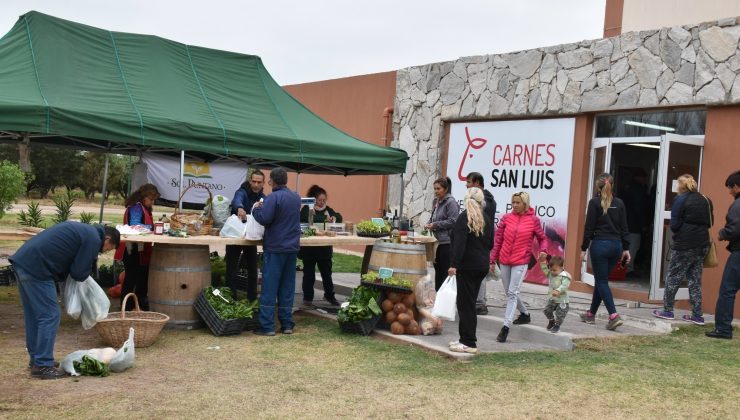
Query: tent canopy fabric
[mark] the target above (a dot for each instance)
(65, 83)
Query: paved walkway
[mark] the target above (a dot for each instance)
(638, 320)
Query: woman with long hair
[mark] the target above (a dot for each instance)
(606, 237)
(444, 214)
(512, 249)
(320, 256)
(472, 239)
(136, 256)
(691, 218)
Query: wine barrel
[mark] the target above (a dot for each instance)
(177, 274)
(408, 261)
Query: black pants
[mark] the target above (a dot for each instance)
(136, 279)
(441, 265)
(468, 285)
(311, 258)
(248, 256)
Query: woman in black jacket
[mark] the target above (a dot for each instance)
(691, 218)
(471, 243)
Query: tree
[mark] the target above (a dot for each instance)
(53, 167)
(12, 184)
(93, 168)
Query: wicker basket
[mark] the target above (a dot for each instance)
(147, 325)
(194, 222)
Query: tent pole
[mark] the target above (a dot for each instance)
(400, 205)
(105, 187)
(182, 175)
(297, 181)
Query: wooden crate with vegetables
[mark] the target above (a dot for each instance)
(223, 314)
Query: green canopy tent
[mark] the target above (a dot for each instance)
(67, 84)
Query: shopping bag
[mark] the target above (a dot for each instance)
(221, 209)
(445, 306)
(72, 298)
(493, 274)
(710, 260)
(93, 301)
(233, 228)
(255, 231)
(125, 356)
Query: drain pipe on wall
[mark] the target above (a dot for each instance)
(387, 138)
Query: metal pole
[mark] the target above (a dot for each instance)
(400, 210)
(105, 186)
(297, 181)
(182, 175)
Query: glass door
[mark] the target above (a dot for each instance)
(598, 165)
(678, 155)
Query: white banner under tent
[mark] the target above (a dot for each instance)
(223, 178)
(526, 155)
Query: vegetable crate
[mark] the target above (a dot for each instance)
(7, 276)
(218, 325)
(363, 327)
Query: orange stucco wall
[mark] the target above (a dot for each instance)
(356, 106)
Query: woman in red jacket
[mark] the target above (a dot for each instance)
(515, 235)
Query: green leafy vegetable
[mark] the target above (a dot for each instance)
(90, 366)
(367, 226)
(233, 309)
(372, 277)
(363, 304)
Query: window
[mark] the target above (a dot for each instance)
(687, 123)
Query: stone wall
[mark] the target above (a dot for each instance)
(678, 66)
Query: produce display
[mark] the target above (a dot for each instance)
(90, 366)
(372, 277)
(362, 305)
(368, 227)
(308, 232)
(227, 307)
(398, 313)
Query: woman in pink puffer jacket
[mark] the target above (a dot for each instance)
(512, 249)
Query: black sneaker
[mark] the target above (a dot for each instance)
(503, 334)
(265, 333)
(481, 310)
(555, 328)
(717, 334)
(47, 372)
(522, 319)
(333, 301)
(550, 324)
(30, 364)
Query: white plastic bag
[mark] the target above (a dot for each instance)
(445, 306)
(233, 228)
(221, 209)
(255, 231)
(125, 356)
(493, 275)
(94, 303)
(100, 354)
(72, 298)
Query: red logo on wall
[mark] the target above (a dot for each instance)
(475, 143)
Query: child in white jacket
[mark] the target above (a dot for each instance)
(559, 280)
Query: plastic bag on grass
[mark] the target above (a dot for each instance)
(445, 305)
(125, 356)
(93, 301)
(72, 298)
(425, 297)
(102, 356)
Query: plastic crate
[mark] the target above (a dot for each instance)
(363, 327)
(216, 324)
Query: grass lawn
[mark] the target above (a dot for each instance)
(345, 263)
(319, 372)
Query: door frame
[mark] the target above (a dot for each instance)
(661, 215)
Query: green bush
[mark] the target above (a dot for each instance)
(86, 217)
(64, 205)
(12, 184)
(33, 218)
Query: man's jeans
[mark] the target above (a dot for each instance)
(278, 284)
(724, 311)
(41, 315)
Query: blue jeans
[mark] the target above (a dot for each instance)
(278, 284)
(604, 256)
(724, 311)
(41, 315)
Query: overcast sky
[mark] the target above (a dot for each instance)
(305, 41)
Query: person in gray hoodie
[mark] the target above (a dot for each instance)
(444, 214)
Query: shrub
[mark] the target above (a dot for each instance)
(87, 218)
(12, 184)
(33, 218)
(64, 205)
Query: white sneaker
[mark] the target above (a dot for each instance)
(462, 348)
(453, 343)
